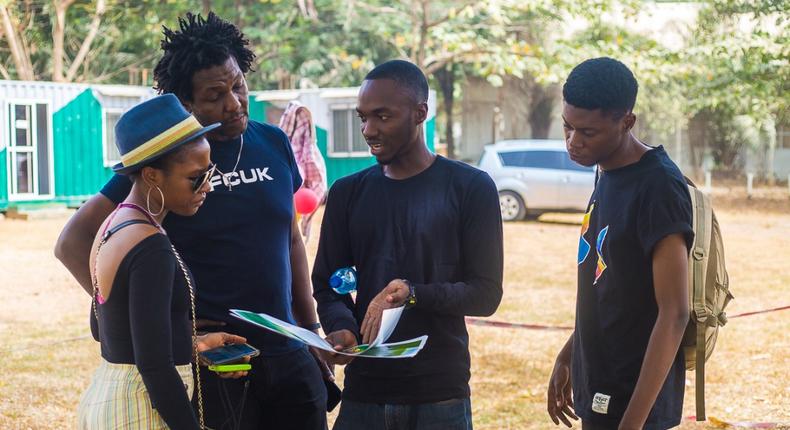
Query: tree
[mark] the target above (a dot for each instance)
(737, 64)
(446, 78)
(18, 46)
(59, 39)
(740, 57)
(541, 108)
(58, 35)
(449, 40)
(334, 43)
(493, 39)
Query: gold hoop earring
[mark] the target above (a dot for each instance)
(148, 200)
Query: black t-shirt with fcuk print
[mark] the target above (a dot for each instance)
(630, 211)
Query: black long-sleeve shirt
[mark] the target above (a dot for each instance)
(441, 230)
(146, 322)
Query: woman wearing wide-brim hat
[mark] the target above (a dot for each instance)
(144, 300)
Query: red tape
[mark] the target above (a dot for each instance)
(742, 424)
(764, 311)
(503, 324)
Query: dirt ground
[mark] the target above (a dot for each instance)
(47, 356)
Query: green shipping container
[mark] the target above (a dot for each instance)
(57, 143)
(56, 140)
(337, 126)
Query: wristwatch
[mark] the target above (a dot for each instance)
(411, 300)
(312, 327)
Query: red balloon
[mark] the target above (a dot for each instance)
(306, 201)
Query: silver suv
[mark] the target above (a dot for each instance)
(535, 176)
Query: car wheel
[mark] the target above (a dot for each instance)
(511, 205)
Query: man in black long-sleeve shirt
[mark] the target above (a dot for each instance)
(421, 230)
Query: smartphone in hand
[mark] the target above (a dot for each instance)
(229, 353)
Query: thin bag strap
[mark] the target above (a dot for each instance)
(194, 332)
(109, 220)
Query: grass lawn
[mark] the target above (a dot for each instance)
(48, 356)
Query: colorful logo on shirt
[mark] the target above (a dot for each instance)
(601, 266)
(584, 246)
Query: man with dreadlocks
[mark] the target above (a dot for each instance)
(243, 247)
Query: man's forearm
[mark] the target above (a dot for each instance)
(478, 297)
(303, 305)
(75, 258)
(566, 351)
(659, 356)
(73, 246)
(671, 290)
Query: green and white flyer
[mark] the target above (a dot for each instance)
(376, 349)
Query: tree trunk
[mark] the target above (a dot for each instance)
(239, 14)
(4, 73)
(446, 79)
(22, 62)
(206, 7)
(101, 7)
(58, 35)
(697, 126)
(541, 107)
(422, 27)
(771, 156)
(307, 7)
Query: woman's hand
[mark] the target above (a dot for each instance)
(215, 340)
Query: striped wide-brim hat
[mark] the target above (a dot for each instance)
(152, 129)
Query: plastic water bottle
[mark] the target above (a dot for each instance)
(344, 280)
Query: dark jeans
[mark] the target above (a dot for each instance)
(455, 414)
(284, 392)
(586, 425)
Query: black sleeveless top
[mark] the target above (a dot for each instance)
(146, 322)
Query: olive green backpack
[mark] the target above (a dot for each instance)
(709, 291)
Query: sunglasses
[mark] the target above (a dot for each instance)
(200, 180)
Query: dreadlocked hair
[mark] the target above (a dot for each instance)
(199, 43)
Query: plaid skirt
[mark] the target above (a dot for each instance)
(117, 399)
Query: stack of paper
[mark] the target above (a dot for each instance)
(376, 349)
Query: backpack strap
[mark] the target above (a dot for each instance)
(699, 252)
(700, 371)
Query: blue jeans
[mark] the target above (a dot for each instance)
(454, 414)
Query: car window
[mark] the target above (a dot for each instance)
(511, 159)
(534, 159)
